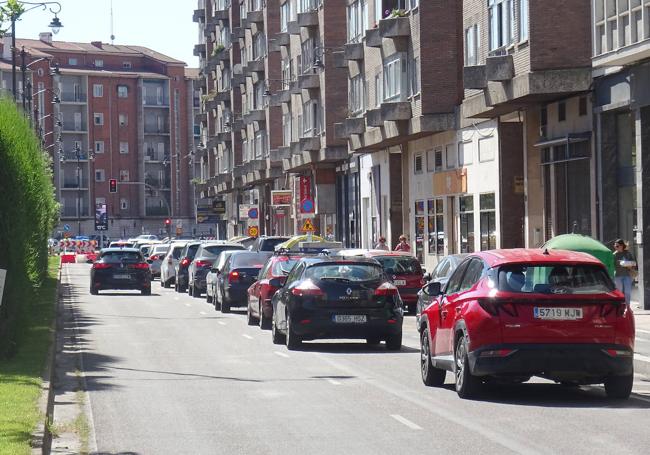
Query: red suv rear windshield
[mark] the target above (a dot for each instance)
(554, 279)
(400, 265)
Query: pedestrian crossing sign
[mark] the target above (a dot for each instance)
(308, 226)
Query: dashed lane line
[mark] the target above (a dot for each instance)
(281, 354)
(221, 323)
(405, 421)
(245, 335)
(333, 382)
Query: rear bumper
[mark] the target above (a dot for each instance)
(579, 362)
(311, 326)
(236, 296)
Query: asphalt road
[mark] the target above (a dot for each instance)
(166, 374)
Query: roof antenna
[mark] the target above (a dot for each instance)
(546, 252)
(112, 34)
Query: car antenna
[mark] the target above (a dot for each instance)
(546, 252)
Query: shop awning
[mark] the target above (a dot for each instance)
(568, 139)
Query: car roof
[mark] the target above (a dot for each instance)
(495, 258)
(125, 250)
(339, 260)
(383, 253)
(221, 243)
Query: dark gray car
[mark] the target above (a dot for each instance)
(202, 263)
(441, 275)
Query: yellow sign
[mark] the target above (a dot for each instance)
(308, 226)
(253, 231)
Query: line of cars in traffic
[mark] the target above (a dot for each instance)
(496, 316)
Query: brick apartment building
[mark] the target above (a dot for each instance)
(113, 112)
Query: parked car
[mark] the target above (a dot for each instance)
(120, 268)
(182, 275)
(239, 271)
(147, 237)
(441, 275)
(267, 243)
(169, 263)
(213, 274)
(512, 314)
(121, 244)
(260, 309)
(337, 297)
(156, 255)
(202, 263)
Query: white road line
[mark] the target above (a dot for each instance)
(221, 323)
(245, 335)
(202, 312)
(641, 357)
(407, 422)
(177, 298)
(646, 340)
(643, 331)
(333, 382)
(281, 354)
(187, 304)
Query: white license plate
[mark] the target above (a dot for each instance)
(558, 314)
(350, 318)
(121, 276)
(399, 282)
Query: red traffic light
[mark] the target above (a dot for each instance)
(168, 221)
(112, 185)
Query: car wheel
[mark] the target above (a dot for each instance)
(293, 340)
(265, 323)
(145, 291)
(278, 338)
(196, 293)
(373, 341)
(225, 305)
(431, 376)
(394, 342)
(619, 387)
(208, 297)
(93, 290)
(250, 319)
(467, 385)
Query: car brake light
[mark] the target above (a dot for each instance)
(493, 306)
(618, 352)
(203, 263)
(101, 265)
(307, 289)
(155, 257)
(185, 262)
(233, 276)
(139, 266)
(386, 290)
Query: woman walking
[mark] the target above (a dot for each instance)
(625, 267)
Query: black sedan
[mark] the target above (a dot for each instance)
(120, 268)
(337, 298)
(238, 272)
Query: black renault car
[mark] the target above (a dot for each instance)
(334, 297)
(120, 268)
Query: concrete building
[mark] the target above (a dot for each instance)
(114, 112)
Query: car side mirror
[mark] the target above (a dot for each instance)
(432, 289)
(277, 282)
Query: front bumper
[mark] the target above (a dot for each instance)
(567, 362)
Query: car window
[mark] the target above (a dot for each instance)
(454, 281)
(249, 260)
(269, 244)
(554, 279)
(295, 274)
(280, 268)
(442, 270)
(345, 272)
(116, 257)
(472, 275)
(161, 249)
(176, 253)
(398, 265)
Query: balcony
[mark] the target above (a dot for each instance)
(156, 211)
(282, 39)
(474, 77)
(373, 117)
(499, 68)
(72, 184)
(279, 154)
(222, 55)
(73, 97)
(353, 51)
(200, 117)
(223, 136)
(71, 212)
(293, 28)
(255, 17)
(199, 50)
(280, 97)
(350, 126)
(308, 19)
(373, 38)
(309, 81)
(310, 143)
(152, 156)
(223, 96)
(221, 15)
(156, 183)
(255, 115)
(395, 27)
(396, 111)
(199, 15)
(211, 104)
(153, 131)
(237, 33)
(254, 66)
(71, 157)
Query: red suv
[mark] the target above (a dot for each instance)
(508, 315)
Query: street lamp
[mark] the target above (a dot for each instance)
(14, 15)
(79, 157)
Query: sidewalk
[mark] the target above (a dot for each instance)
(642, 344)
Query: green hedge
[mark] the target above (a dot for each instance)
(28, 213)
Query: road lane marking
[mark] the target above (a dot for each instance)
(187, 304)
(643, 331)
(646, 340)
(405, 421)
(333, 382)
(245, 335)
(177, 298)
(281, 354)
(641, 357)
(202, 312)
(221, 323)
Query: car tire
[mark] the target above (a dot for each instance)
(225, 306)
(250, 319)
(373, 341)
(265, 323)
(394, 342)
(145, 291)
(619, 387)
(208, 298)
(277, 337)
(467, 385)
(431, 376)
(293, 340)
(196, 293)
(93, 290)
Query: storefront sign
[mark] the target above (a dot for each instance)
(243, 211)
(218, 207)
(305, 187)
(281, 198)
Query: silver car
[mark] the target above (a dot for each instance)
(211, 277)
(156, 255)
(169, 262)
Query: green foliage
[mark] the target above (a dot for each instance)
(28, 213)
(218, 48)
(12, 9)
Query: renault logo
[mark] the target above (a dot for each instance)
(348, 291)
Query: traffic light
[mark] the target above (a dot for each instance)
(112, 185)
(168, 222)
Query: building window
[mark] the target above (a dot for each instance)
(561, 111)
(472, 45)
(543, 121)
(523, 20)
(466, 218)
(413, 73)
(357, 20)
(619, 24)
(417, 164)
(98, 118)
(582, 106)
(465, 153)
(259, 46)
(393, 79)
(451, 156)
(99, 63)
(286, 128)
(486, 149)
(72, 62)
(310, 118)
(100, 175)
(357, 95)
(127, 65)
(99, 146)
(100, 200)
(122, 91)
(502, 18)
(123, 119)
(285, 16)
(434, 160)
(98, 90)
(436, 226)
(488, 221)
(124, 204)
(124, 175)
(124, 148)
(378, 91)
(419, 230)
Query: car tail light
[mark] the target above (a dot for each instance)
(307, 289)
(139, 266)
(203, 263)
(618, 307)
(101, 265)
(618, 352)
(386, 290)
(155, 257)
(185, 262)
(494, 306)
(233, 276)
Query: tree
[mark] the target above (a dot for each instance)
(12, 8)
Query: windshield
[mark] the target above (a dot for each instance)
(214, 250)
(282, 268)
(554, 279)
(161, 249)
(249, 261)
(192, 249)
(397, 265)
(345, 272)
(176, 252)
(115, 257)
(269, 244)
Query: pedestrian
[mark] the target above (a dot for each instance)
(625, 268)
(403, 245)
(381, 244)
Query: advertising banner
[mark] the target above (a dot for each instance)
(101, 217)
(281, 198)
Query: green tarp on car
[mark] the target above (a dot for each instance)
(584, 244)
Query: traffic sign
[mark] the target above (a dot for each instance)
(253, 213)
(253, 231)
(307, 206)
(66, 227)
(308, 226)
